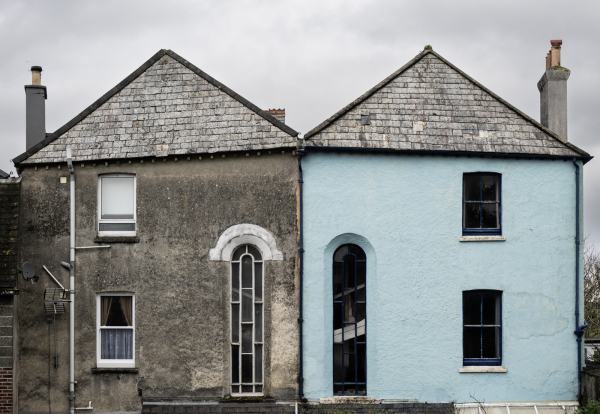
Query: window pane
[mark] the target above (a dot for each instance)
(472, 308)
(116, 343)
(349, 305)
(350, 369)
(235, 364)
(490, 188)
(258, 330)
(472, 215)
(490, 343)
(235, 282)
(350, 389)
(117, 197)
(472, 187)
(361, 311)
(246, 388)
(489, 214)
(238, 253)
(247, 370)
(258, 281)
(246, 338)
(254, 252)
(259, 388)
(235, 389)
(235, 323)
(339, 253)
(337, 363)
(258, 367)
(361, 278)
(247, 303)
(116, 313)
(472, 342)
(360, 254)
(337, 388)
(362, 337)
(247, 272)
(349, 339)
(349, 271)
(337, 281)
(117, 227)
(337, 319)
(491, 309)
(361, 359)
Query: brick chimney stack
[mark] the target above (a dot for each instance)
(553, 92)
(35, 108)
(279, 114)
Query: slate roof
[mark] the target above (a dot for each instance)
(430, 105)
(4, 174)
(166, 107)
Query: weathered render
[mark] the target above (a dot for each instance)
(205, 159)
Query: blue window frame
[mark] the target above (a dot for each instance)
(481, 204)
(482, 327)
(349, 321)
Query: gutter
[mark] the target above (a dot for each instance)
(301, 251)
(72, 287)
(579, 330)
(583, 158)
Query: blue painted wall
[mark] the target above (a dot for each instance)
(405, 212)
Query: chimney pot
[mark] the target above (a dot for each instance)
(278, 114)
(36, 75)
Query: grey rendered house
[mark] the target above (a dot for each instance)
(183, 252)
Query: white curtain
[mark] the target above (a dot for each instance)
(117, 343)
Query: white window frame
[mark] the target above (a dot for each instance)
(104, 221)
(114, 363)
(254, 303)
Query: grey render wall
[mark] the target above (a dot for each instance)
(182, 308)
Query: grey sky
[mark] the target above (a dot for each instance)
(311, 57)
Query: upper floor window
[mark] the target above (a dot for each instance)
(482, 327)
(116, 205)
(115, 321)
(481, 204)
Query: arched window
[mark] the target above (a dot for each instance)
(349, 321)
(246, 321)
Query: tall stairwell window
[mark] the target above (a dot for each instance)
(349, 321)
(246, 321)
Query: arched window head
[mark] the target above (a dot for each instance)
(349, 321)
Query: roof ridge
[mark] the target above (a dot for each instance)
(411, 63)
(133, 76)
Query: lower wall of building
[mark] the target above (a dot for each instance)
(6, 354)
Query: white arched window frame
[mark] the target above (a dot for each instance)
(252, 245)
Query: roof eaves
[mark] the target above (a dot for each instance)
(120, 86)
(234, 95)
(4, 174)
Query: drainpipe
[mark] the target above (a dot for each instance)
(72, 288)
(301, 251)
(578, 329)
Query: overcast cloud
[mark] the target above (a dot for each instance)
(311, 57)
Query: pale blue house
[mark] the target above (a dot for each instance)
(440, 228)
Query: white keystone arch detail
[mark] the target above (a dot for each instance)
(241, 234)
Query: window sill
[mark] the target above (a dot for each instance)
(113, 239)
(482, 238)
(482, 368)
(115, 370)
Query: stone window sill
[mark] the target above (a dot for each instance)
(482, 238)
(481, 368)
(115, 370)
(129, 239)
